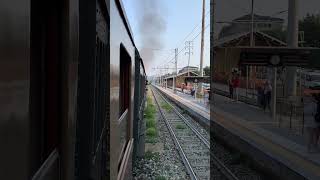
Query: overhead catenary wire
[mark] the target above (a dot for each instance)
(184, 48)
(185, 38)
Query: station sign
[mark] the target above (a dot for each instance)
(276, 56)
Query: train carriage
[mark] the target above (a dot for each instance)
(72, 92)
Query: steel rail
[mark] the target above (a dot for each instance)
(222, 168)
(176, 142)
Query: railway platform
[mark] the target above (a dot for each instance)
(252, 131)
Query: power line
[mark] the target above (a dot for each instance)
(180, 42)
(192, 40)
(207, 13)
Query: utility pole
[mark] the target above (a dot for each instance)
(202, 44)
(189, 47)
(252, 23)
(292, 41)
(251, 43)
(176, 70)
(212, 3)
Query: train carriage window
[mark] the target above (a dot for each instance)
(125, 65)
(45, 89)
(124, 99)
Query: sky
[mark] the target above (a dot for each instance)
(173, 20)
(181, 17)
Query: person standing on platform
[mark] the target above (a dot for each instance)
(230, 84)
(260, 97)
(267, 95)
(192, 91)
(313, 122)
(209, 94)
(236, 85)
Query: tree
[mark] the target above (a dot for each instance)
(311, 27)
(206, 71)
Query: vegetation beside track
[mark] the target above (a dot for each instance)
(166, 106)
(150, 113)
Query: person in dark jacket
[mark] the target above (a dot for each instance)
(312, 122)
(230, 86)
(260, 96)
(267, 95)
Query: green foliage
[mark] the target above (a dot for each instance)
(151, 123)
(150, 112)
(148, 155)
(166, 106)
(151, 132)
(151, 140)
(161, 178)
(180, 126)
(311, 27)
(152, 155)
(206, 71)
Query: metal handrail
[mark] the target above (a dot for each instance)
(47, 165)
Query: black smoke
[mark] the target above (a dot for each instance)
(152, 26)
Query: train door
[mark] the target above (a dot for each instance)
(45, 88)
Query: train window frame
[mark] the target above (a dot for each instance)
(45, 88)
(125, 74)
(126, 59)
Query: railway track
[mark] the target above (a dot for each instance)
(191, 143)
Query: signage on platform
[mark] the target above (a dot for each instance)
(195, 79)
(275, 56)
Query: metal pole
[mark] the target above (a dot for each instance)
(251, 34)
(292, 39)
(202, 44)
(300, 79)
(252, 25)
(176, 70)
(247, 84)
(274, 94)
(189, 46)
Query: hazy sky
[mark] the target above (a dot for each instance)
(179, 17)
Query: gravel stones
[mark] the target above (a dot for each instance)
(163, 163)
